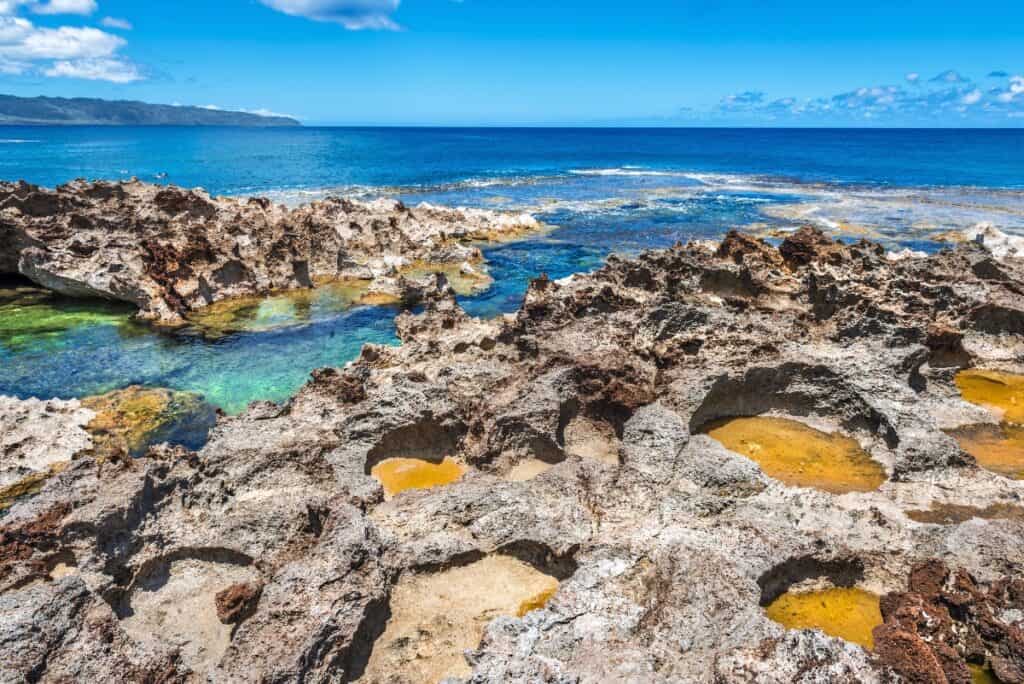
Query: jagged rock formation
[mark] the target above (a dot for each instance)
(272, 554)
(945, 621)
(170, 251)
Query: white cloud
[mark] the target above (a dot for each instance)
(113, 70)
(972, 98)
(913, 77)
(66, 42)
(83, 7)
(64, 7)
(1014, 90)
(66, 51)
(12, 68)
(258, 112)
(13, 29)
(115, 23)
(268, 112)
(951, 76)
(352, 14)
(948, 95)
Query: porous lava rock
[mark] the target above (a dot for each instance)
(170, 251)
(946, 619)
(666, 545)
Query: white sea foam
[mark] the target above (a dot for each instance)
(891, 214)
(16, 141)
(996, 241)
(905, 253)
(627, 171)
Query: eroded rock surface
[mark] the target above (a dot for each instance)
(40, 438)
(946, 621)
(581, 423)
(170, 251)
(37, 439)
(35, 435)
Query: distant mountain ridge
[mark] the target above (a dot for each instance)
(59, 111)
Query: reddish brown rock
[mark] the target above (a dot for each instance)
(237, 602)
(809, 245)
(948, 619)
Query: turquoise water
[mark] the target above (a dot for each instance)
(603, 191)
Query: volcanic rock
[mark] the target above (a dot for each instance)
(666, 546)
(170, 251)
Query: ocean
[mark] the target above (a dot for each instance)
(601, 190)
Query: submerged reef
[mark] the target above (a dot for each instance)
(170, 251)
(570, 514)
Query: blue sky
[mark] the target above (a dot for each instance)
(647, 62)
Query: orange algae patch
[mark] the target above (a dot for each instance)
(999, 449)
(798, 455)
(850, 614)
(538, 601)
(400, 474)
(1001, 393)
(996, 448)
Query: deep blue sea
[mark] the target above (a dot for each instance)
(603, 190)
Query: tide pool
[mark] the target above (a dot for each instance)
(601, 191)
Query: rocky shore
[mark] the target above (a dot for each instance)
(596, 532)
(171, 251)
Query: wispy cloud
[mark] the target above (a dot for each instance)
(112, 70)
(115, 23)
(354, 15)
(742, 102)
(947, 98)
(261, 111)
(83, 7)
(950, 76)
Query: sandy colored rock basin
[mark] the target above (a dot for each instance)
(177, 608)
(436, 617)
